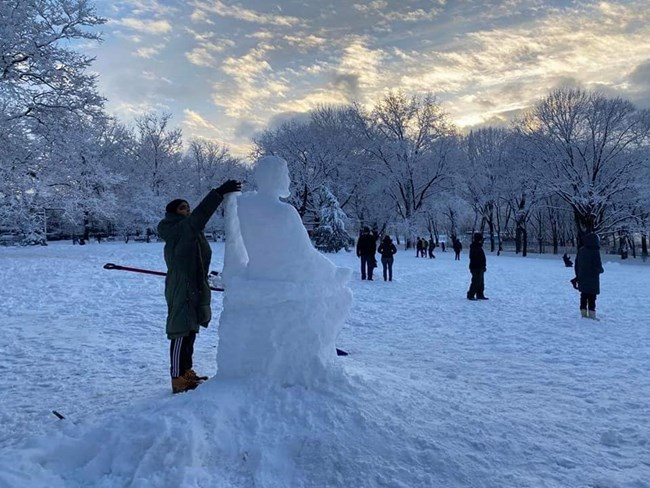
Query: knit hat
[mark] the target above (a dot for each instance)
(173, 205)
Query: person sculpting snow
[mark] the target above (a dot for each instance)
(187, 292)
(478, 267)
(284, 302)
(588, 267)
(366, 248)
(387, 250)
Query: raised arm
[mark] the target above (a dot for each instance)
(204, 210)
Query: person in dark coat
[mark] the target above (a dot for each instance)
(567, 261)
(187, 292)
(478, 267)
(387, 249)
(418, 247)
(431, 248)
(458, 247)
(588, 267)
(366, 248)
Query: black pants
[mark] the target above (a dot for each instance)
(387, 264)
(457, 256)
(477, 286)
(368, 263)
(180, 354)
(587, 301)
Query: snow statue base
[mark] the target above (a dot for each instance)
(284, 302)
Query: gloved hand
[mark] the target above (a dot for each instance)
(229, 187)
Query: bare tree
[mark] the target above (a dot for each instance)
(158, 150)
(410, 144)
(485, 176)
(590, 152)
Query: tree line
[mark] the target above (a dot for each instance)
(576, 161)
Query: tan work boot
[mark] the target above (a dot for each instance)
(592, 314)
(584, 313)
(191, 374)
(183, 383)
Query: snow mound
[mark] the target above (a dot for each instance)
(239, 434)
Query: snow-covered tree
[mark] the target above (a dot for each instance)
(207, 164)
(319, 151)
(590, 150)
(409, 143)
(484, 175)
(330, 235)
(39, 72)
(43, 84)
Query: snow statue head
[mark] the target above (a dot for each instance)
(284, 302)
(271, 174)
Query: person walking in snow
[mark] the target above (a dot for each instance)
(478, 267)
(431, 248)
(387, 249)
(366, 248)
(588, 267)
(458, 247)
(187, 292)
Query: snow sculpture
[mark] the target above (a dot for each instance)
(285, 302)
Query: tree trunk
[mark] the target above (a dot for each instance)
(86, 235)
(525, 246)
(491, 226)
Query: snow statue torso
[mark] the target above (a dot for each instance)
(285, 302)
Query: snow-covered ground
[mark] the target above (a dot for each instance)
(517, 391)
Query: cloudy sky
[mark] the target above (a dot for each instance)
(226, 69)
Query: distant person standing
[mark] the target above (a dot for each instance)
(458, 247)
(431, 248)
(418, 247)
(366, 248)
(588, 267)
(478, 267)
(387, 249)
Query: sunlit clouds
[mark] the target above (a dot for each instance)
(145, 26)
(242, 64)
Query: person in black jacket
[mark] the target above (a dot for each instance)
(366, 248)
(387, 249)
(478, 267)
(458, 247)
(588, 267)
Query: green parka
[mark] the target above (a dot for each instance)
(188, 255)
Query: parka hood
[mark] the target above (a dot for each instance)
(166, 224)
